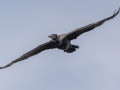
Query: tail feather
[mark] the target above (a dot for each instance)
(71, 49)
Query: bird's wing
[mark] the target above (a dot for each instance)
(40, 48)
(75, 33)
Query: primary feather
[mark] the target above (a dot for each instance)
(40, 48)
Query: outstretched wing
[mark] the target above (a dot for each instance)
(74, 34)
(40, 48)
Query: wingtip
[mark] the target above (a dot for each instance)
(1, 67)
(116, 12)
(119, 9)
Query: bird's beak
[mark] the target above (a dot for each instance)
(49, 36)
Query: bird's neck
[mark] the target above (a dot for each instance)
(57, 41)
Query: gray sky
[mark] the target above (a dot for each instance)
(25, 24)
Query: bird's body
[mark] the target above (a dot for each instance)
(62, 42)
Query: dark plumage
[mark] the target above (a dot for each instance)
(62, 42)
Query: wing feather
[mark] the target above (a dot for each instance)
(74, 34)
(40, 48)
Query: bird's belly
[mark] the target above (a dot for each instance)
(64, 45)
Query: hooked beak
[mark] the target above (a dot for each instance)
(49, 36)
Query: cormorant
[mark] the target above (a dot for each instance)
(62, 42)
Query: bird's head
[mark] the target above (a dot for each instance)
(53, 36)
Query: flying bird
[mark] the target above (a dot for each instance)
(62, 42)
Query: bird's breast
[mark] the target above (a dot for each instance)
(63, 44)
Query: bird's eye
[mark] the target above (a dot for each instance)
(54, 37)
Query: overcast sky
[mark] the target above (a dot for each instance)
(25, 24)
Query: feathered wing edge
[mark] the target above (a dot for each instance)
(40, 48)
(74, 34)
